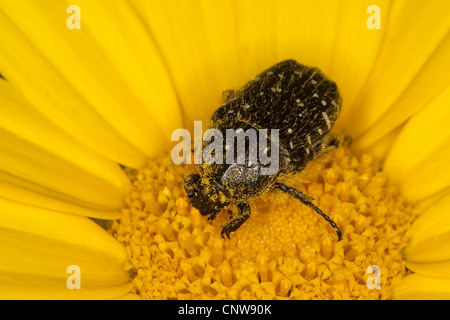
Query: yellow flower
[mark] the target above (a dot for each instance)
(76, 103)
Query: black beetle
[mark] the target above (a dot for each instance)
(299, 101)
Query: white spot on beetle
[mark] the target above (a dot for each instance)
(291, 145)
(289, 130)
(319, 131)
(327, 120)
(323, 102)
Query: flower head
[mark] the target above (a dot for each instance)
(285, 250)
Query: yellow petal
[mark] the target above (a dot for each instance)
(438, 269)
(355, 50)
(418, 287)
(382, 147)
(306, 31)
(21, 190)
(54, 97)
(200, 53)
(38, 155)
(413, 33)
(151, 98)
(256, 36)
(430, 234)
(430, 201)
(419, 158)
(38, 246)
(106, 94)
(430, 81)
(234, 41)
(23, 159)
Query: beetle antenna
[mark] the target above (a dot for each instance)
(305, 199)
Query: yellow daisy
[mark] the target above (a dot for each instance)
(91, 87)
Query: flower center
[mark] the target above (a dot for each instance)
(284, 250)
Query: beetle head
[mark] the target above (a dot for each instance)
(209, 197)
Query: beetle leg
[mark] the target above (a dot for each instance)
(332, 144)
(348, 141)
(233, 225)
(191, 184)
(213, 216)
(325, 146)
(305, 199)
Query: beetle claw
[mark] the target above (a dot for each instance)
(226, 232)
(213, 216)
